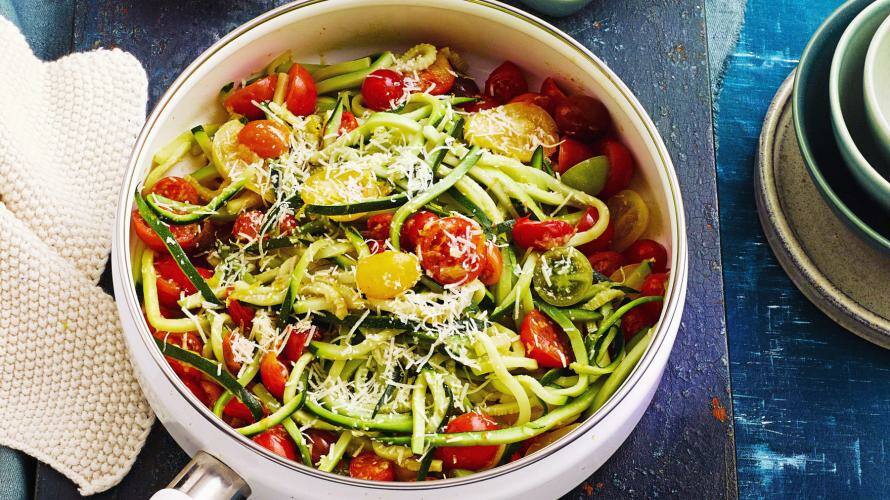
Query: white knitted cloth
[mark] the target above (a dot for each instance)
(67, 392)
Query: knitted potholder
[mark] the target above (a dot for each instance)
(68, 395)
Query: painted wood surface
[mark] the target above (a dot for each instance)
(684, 444)
(811, 400)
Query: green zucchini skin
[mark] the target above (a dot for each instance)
(195, 213)
(389, 202)
(213, 370)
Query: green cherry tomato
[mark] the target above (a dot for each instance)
(588, 175)
(562, 276)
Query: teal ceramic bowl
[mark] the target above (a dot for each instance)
(812, 123)
(852, 131)
(556, 8)
(876, 86)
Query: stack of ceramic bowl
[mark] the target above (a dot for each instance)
(830, 230)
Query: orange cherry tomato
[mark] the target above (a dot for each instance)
(242, 100)
(543, 341)
(348, 123)
(493, 265)
(273, 374)
(176, 188)
(371, 467)
(468, 457)
(604, 241)
(541, 235)
(606, 262)
(277, 441)
(621, 167)
(232, 365)
(451, 250)
(301, 93)
(266, 138)
(572, 152)
(188, 236)
(505, 82)
(439, 77)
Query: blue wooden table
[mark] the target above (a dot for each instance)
(809, 399)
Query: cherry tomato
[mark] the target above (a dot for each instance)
(376, 246)
(382, 89)
(348, 123)
(247, 225)
(541, 235)
(604, 241)
(519, 453)
(493, 265)
(621, 167)
(641, 250)
(172, 282)
(483, 103)
(635, 320)
(194, 386)
(277, 441)
(187, 236)
(606, 262)
(168, 292)
(410, 234)
(543, 341)
(301, 93)
(439, 77)
(378, 226)
(505, 82)
(550, 89)
(468, 457)
(189, 341)
(319, 443)
(572, 152)
(465, 87)
(297, 341)
(582, 117)
(544, 440)
(655, 285)
(236, 409)
(232, 365)
(451, 250)
(386, 274)
(266, 138)
(371, 467)
(241, 100)
(241, 315)
(273, 373)
(176, 188)
(537, 99)
(287, 224)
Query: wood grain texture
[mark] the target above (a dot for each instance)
(681, 447)
(811, 399)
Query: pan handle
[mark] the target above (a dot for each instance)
(205, 478)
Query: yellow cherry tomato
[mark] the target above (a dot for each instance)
(387, 274)
(631, 218)
(513, 130)
(548, 438)
(333, 186)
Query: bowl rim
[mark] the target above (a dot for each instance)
(838, 121)
(872, 105)
(801, 75)
(665, 328)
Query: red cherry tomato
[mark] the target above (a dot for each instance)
(635, 320)
(189, 341)
(550, 89)
(493, 265)
(621, 167)
(505, 82)
(572, 152)
(247, 225)
(266, 138)
(242, 315)
(485, 102)
(438, 78)
(277, 441)
(604, 241)
(378, 226)
(376, 246)
(606, 262)
(655, 285)
(382, 89)
(543, 341)
(168, 292)
(541, 235)
(319, 443)
(188, 237)
(641, 250)
(582, 117)
(172, 282)
(274, 374)
(176, 188)
(232, 365)
(371, 467)
(194, 386)
(451, 250)
(241, 100)
(348, 123)
(237, 409)
(537, 99)
(468, 457)
(297, 341)
(410, 234)
(301, 93)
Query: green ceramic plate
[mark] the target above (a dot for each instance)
(854, 136)
(812, 123)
